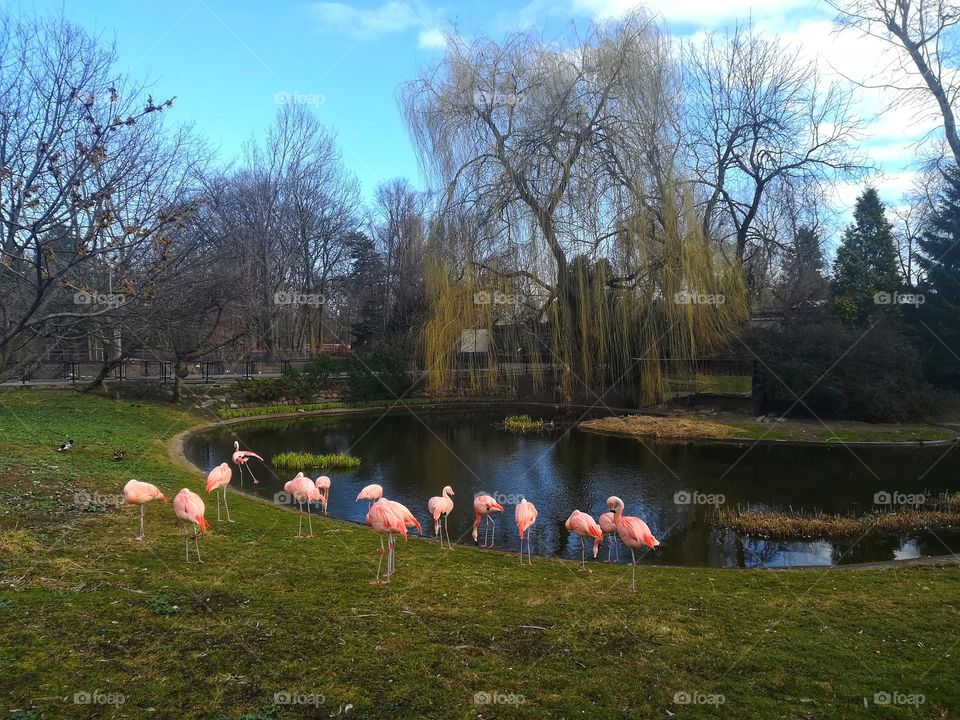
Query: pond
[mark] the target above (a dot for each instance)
(413, 453)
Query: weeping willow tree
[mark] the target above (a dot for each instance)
(566, 236)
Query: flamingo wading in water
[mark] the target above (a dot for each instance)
(483, 506)
(633, 532)
(323, 485)
(585, 526)
(241, 457)
(218, 479)
(526, 515)
(140, 493)
(441, 505)
(189, 509)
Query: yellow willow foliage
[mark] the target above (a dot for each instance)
(681, 300)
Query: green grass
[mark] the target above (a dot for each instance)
(85, 608)
(839, 431)
(522, 424)
(301, 461)
(229, 413)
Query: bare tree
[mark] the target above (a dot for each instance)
(89, 182)
(760, 120)
(924, 57)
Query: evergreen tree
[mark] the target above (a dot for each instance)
(865, 277)
(939, 257)
(366, 282)
(801, 280)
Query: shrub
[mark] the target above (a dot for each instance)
(841, 372)
(381, 375)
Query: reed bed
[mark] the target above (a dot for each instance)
(522, 424)
(942, 512)
(300, 461)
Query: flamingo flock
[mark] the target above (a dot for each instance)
(390, 519)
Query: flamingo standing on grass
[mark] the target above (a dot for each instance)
(633, 532)
(483, 506)
(140, 493)
(409, 521)
(240, 458)
(526, 515)
(585, 526)
(441, 505)
(323, 485)
(218, 479)
(608, 524)
(189, 509)
(385, 520)
(302, 489)
(371, 493)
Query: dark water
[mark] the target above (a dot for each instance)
(414, 455)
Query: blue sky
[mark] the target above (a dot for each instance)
(227, 61)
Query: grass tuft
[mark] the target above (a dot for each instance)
(300, 461)
(522, 424)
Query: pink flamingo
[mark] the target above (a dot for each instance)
(526, 515)
(189, 510)
(218, 479)
(385, 520)
(303, 491)
(371, 493)
(441, 505)
(140, 493)
(323, 485)
(240, 458)
(409, 521)
(633, 532)
(483, 506)
(585, 526)
(609, 526)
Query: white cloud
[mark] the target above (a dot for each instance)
(432, 39)
(698, 12)
(390, 17)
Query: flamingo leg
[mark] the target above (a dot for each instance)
(140, 537)
(240, 468)
(186, 542)
(493, 531)
(218, 506)
(379, 564)
(616, 548)
(583, 564)
(196, 541)
(229, 519)
(309, 521)
(529, 549)
(634, 564)
(255, 481)
(521, 548)
(300, 526)
(447, 530)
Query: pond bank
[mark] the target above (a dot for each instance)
(696, 428)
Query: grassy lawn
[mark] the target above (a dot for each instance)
(739, 428)
(86, 609)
